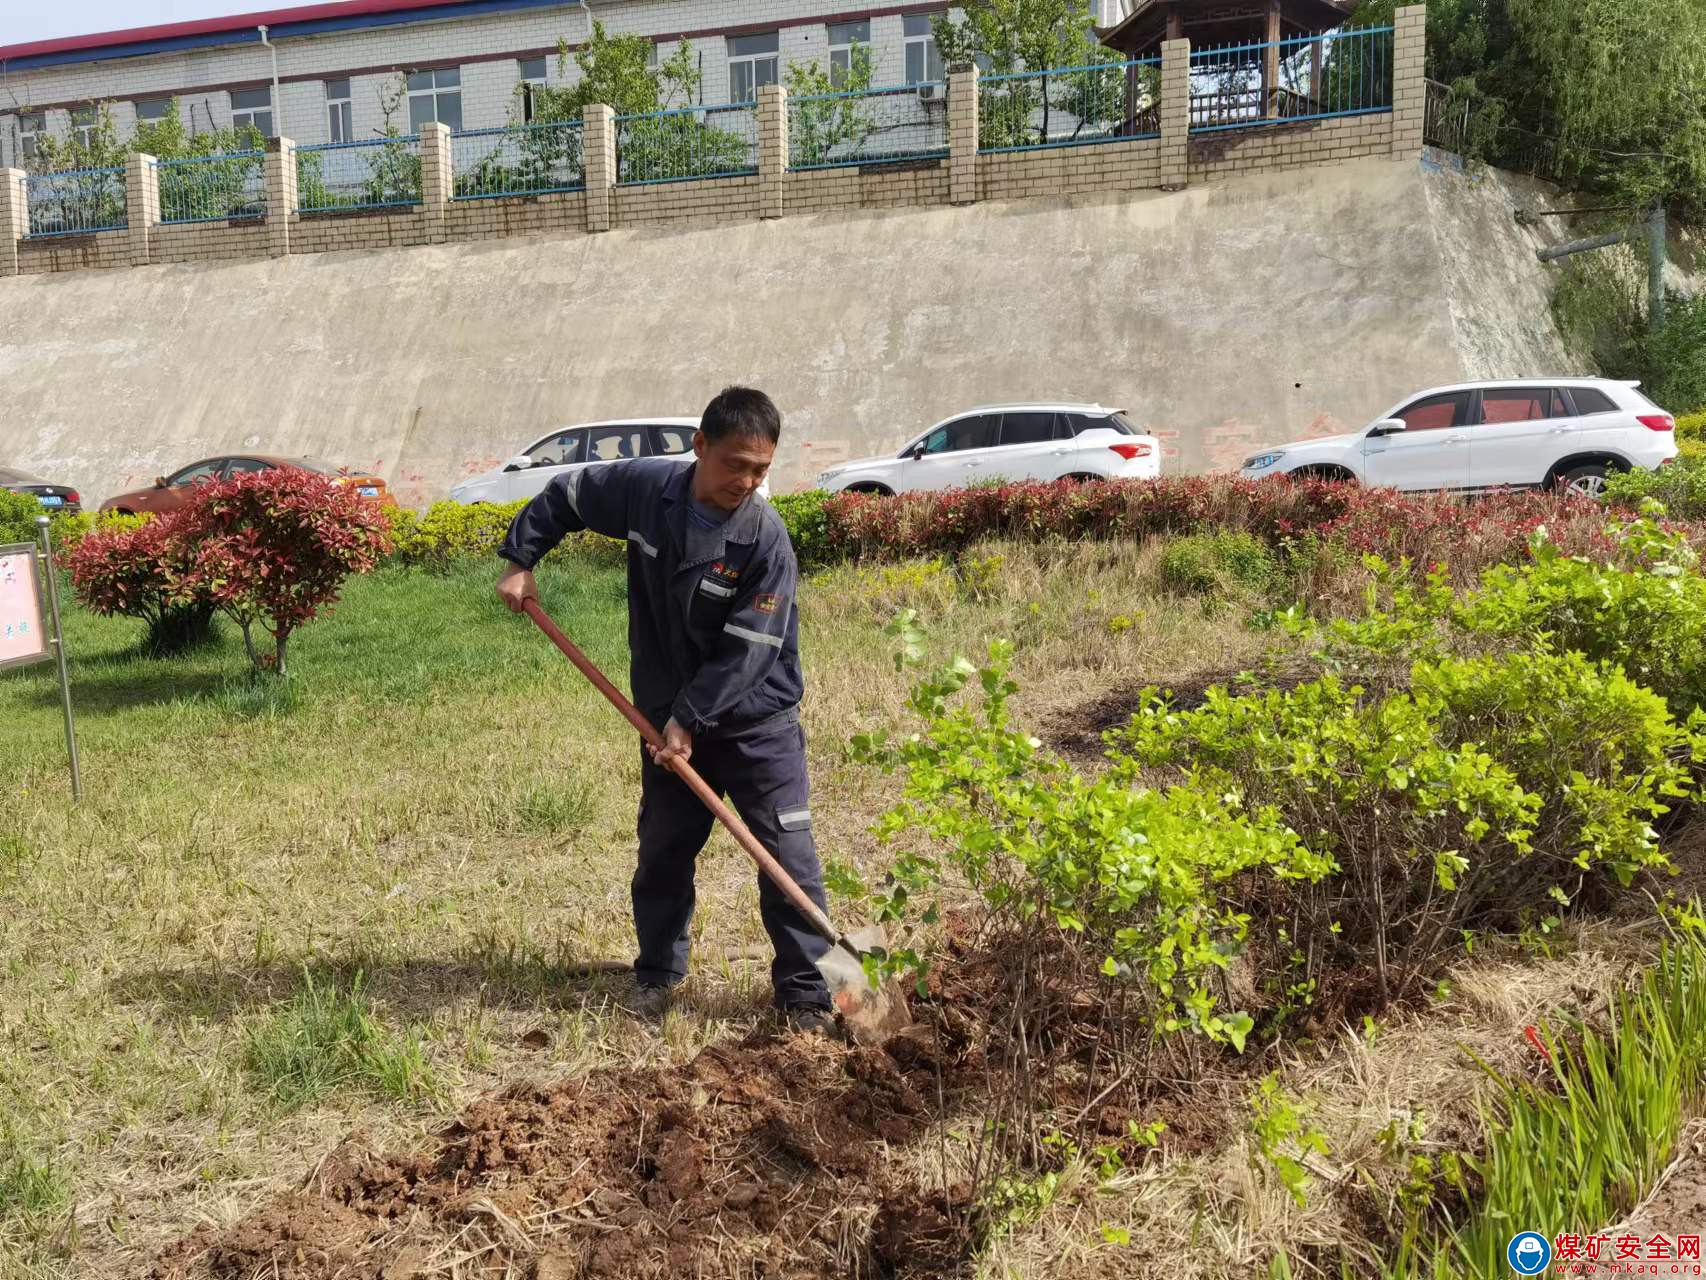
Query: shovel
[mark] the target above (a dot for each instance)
(871, 1014)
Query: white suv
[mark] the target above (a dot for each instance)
(572, 448)
(1009, 442)
(1550, 433)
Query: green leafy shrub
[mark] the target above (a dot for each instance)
(1679, 487)
(807, 523)
(1643, 607)
(1136, 882)
(1218, 565)
(18, 514)
(1420, 827)
(450, 531)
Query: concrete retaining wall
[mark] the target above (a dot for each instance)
(1260, 308)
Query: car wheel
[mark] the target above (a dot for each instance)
(882, 491)
(1586, 481)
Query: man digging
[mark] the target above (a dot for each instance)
(713, 638)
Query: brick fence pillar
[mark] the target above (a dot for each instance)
(437, 179)
(1409, 79)
(141, 204)
(281, 194)
(772, 148)
(598, 138)
(14, 217)
(1175, 114)
(962, 133)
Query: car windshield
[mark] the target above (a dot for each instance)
(1119, 422)
(317, 464)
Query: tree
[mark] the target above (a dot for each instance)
(824, 126)
(1005, 37)
(1612, 85)
(614, 72)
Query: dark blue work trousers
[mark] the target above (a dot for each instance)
(761, 770)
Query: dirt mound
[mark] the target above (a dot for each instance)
(759, 1158)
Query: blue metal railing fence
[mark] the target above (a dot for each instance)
(212, 188)
(692, 142)
(1342, 73)
(520, 160)
(76, 202)
(868, 126)
(1070, 106)
(382, 173)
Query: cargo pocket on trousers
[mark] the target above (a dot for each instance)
(794, 819)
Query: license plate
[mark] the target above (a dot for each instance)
(51, 500)
(368, 491)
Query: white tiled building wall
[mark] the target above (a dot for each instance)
(485, 48)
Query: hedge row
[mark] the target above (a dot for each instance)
(832, 528)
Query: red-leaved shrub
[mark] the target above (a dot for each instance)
(135, 569)
(267, 547)
(1429, 529)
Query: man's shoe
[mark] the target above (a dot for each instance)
(810, 1020)
(648, 1001)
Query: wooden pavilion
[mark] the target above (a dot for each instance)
(1236, 48)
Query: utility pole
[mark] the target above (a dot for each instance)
(1652, 230)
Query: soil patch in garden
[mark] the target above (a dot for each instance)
(763, 1157)
(794, 1157)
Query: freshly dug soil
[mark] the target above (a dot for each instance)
(762, 1158)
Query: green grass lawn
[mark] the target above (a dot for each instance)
(280, 916)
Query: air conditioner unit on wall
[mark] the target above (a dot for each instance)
(931, 93)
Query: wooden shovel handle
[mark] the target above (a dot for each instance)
(728, 817)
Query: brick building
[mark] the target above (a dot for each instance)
(316, 73)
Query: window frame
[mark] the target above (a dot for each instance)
(639, 431)
(231, 468)
(246, 115)
(1054, 428)
(949, 427)
(751, 61)
(340, 110)
(84, 122)
(931, 53)
(435, 93)
(164, 104)
(843, 49)
(530, 83)
(579, 435)
(655, 435)
(29, 139)
(1533, 393)
(1468, 410)
(1576, 409)
(177, 480)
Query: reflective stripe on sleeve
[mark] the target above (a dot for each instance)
(757, 637)
(635, 537)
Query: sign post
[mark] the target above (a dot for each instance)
(25, 568)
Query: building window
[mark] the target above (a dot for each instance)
(842, 37)
(84, 121)
(252, 107)
(31, 125)
(532, 80)
(340, 121)
(923, 60)
(153, 110)
(436, 96)
(752, 63)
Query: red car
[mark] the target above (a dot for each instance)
(171, 492)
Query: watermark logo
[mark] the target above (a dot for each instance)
(1528, 1253)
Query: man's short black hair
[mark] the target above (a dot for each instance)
(741, 411)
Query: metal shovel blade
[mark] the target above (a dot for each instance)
(871, 1014)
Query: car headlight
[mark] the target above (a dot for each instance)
(1262, 461)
